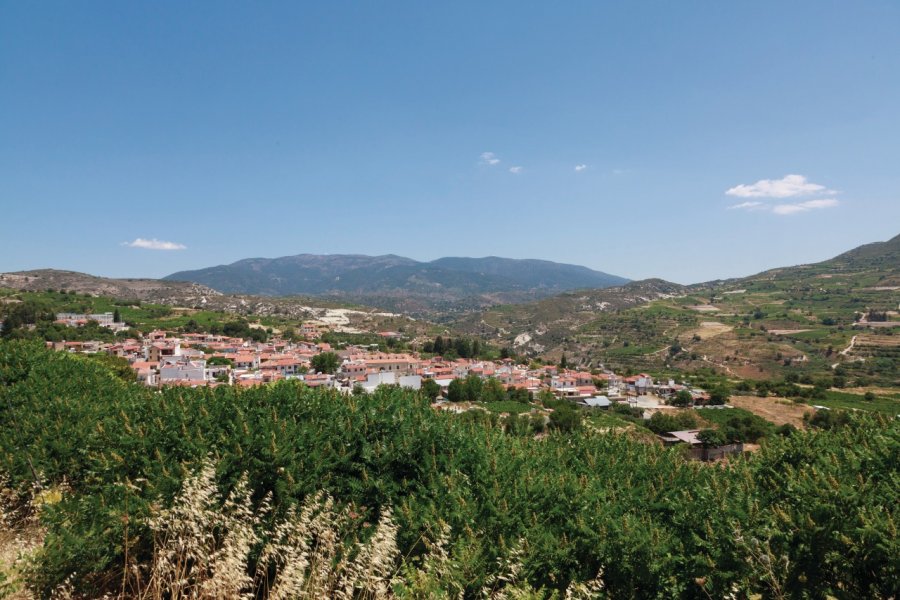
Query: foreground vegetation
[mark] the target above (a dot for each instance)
(382, 496)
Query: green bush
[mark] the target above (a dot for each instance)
(811, 514)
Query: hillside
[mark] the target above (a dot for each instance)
(180, 301)
(398, 283)
(150, 290)
(541, 326)
(879, 255)
(834, 318)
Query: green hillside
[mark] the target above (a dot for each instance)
(790, 322)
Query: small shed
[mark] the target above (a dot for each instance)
(597, 402)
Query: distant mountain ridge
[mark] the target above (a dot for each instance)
(401, 283)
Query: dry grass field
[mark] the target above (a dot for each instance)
(775, 410)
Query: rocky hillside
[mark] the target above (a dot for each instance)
(146, 290)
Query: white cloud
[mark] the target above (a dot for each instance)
(580, 168)
(788, 186)
(516, 170)
(489, 158)
(786, 209)
(790, 209)
(750, 205)
(154, 244)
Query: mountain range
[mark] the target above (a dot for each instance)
(448, 284)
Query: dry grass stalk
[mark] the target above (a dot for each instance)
(203, 549)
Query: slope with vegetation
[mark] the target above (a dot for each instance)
(837, 318)
(227, 491)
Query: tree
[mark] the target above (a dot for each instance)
(682, 398)
(546, 397)
(220, 360)
(662, 422)
(120, 367)
(563, 363)
(565, 418)
(463, 347)
(474, 388)
(711, 438)
(117, 318)
(786, 430)
(827, 419)
(456, 391)
(325, 362)
(430, 389)
(718, 396)
(493, 391)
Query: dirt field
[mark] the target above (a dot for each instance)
(787, 331)
(704, 308)
(775, 410)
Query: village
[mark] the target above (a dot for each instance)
(168, 358)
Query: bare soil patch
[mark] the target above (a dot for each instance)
(787, 331)
(704, 308)
(775, 410)
(711, 328)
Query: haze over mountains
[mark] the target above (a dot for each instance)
(396, 282)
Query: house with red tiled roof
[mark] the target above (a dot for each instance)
(396, 363)
(285, 365)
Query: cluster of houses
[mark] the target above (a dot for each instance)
(203, 359)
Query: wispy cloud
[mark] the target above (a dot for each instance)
(489, 158)
(580, 168)
(790, 209)
(516, 170)
(154, 244)
(750, 205)
(786, 209)
(788, 186)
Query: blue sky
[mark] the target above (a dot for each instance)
(603, 134)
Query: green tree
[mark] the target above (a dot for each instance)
(565, 418)
(711, 438)
(220, 360)
(474, 387)
(456, 391)
(718, 396)
(682, 398)
(325, 362)
(430, 389)
(493, 391)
